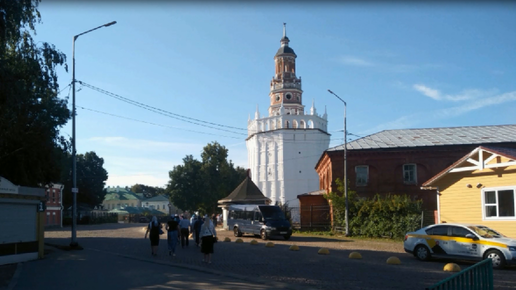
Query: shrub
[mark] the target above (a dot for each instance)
(381, 216)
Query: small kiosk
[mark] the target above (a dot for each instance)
(22, 220)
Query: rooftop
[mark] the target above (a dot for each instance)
(403, 138)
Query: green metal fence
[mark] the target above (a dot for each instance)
(476, 277)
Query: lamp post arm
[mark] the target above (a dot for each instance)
(105, 25)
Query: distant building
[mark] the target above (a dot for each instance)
(161, 203)
(118, 197)
(399, 161)
(54, 203)
(284, 146)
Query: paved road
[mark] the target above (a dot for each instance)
(256, 263)
(89, 269)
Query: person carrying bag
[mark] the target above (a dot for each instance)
(208, 238)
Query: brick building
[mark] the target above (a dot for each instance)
(54, 203)
(399, 161)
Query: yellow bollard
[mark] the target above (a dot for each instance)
(393, 260)
(323, 251)
(239, 241)
(355, 255)
(253, 242)
(226, 239)
(451, 267)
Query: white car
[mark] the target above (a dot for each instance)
(461, 241)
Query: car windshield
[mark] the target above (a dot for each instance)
(486, 232)
(272, 213)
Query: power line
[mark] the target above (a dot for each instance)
(165, 113)
(165, 126)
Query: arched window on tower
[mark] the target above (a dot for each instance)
(287, 124)
(302, 124)
(294, 124)
(310, 124)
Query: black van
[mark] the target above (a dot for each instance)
(264, 220)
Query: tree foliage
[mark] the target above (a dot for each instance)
(30, 111)
(91, 178)
(149, 191)
(198, 185)
(380, 216)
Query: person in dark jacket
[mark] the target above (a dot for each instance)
(197, 229)
(154, 228)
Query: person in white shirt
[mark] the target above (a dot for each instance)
(184, 226)
(208, 238)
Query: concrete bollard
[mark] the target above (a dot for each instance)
(323, 251)
(393, 260)
(227, 240)
(355, 255)
(451, 267)
(239, 241)
(294, 248)
(269, 245)
(253, 242)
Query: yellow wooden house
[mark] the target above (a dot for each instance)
(480, 188)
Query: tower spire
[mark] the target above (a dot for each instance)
(284, 29)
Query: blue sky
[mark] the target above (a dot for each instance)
(402, 65)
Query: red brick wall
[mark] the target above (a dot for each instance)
(386, 169)
(53, 211)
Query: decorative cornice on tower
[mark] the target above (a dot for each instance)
(312, 109)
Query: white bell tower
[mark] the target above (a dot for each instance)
(284, 147)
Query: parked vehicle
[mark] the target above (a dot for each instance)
(461, 241)
(144, 219)
(264, 220)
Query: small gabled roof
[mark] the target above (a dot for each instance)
(246, 192)
(493, 151)
(157, 198)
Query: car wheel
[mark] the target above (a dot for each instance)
(263, 234)
(496, 257)
(286, 237)
(237, 232)
(422, 253)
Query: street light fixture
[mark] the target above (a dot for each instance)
(75, 190)
(345, 164)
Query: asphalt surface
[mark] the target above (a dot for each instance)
(116, 256)
(90, 269)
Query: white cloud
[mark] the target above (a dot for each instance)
(478, 104)
(351, 60)
(434, 94)
(462, 96)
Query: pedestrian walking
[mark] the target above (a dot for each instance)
(208, 238)
(197, 230)
(154, 230)
(192, 222)
(214, 220)
(172, 235)
(184, 226)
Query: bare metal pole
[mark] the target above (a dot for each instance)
(345, 164)
(75, 190)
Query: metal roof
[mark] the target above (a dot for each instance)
(403, 138)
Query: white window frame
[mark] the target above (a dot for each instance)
(496, 189)
(415, 174)
(366, 177)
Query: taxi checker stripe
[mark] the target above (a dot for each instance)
(461, 239)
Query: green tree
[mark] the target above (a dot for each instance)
(150, 191)
(91, 178)
(30, 111)
(198, 185)
(186, 184)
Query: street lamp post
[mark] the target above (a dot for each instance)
(345, 164)
(75, 190)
